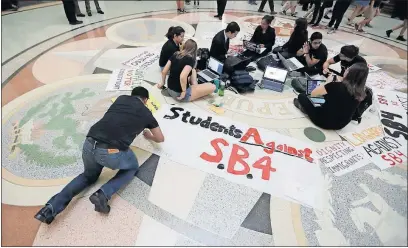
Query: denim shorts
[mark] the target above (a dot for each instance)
(174, 94)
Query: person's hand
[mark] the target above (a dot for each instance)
(147, 134)
(326, 71)
(160, 86)
(182, 95)
(306, 47)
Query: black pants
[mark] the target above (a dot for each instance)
(221, 6)
(271, 5)
(69, 8)
(312, 112)
(319, 9)
(338, 12)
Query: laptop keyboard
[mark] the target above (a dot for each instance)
(291, 64)
(210, 74)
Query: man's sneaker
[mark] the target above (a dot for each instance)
(326, 17)
(294, 14)
(100, 201)
(388, 32)
(401, 38)
(283, 12)
(45, 215)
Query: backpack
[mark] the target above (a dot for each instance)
(204, 55)
(363, 106)
(263, 62)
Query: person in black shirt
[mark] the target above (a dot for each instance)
(175, 37)
(347, 57)
(294, 46)
(220, 42)
(107, 145)
(341, 99)
(314, 56)
(264, 34)
(182, 82)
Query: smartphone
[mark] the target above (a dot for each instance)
(317, 101)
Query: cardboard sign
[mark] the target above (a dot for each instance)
(381, 80)
(152, 104)
(341, 158)
(144, 59)
(258, 158)
(385, 152)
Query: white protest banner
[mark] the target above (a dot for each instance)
(341, 158)
(393, 114)
(361, 136)
(381, 80)
(385, 152)
(258, 158)
(124, 79)
(144, 59)
(373, 68)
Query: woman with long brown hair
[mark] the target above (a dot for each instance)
(182, 82)
(341, 99)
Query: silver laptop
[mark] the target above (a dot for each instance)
(291, 64)
(312, 84)
(213, 71)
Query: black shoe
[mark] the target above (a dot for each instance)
(89, 14)
(326, 17)
(401, 38)
(45, 215)
(100, 12)
(217, 16)
(100, 201)
(80, 15)
(260, 11)
(220, 18)
(388, 32)
(76, 22)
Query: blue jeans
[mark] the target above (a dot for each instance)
(95, 159)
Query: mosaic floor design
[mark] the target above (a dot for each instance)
(49, 105)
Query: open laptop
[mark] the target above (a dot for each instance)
(251, 46)
(312, 84)
(291, 64)
(213, 71)
(274, 78)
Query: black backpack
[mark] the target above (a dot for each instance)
(363, 106)
(204, 55)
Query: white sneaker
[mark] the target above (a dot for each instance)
(331, 31)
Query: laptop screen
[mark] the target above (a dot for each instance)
(275, 74)
(311, 85)
(215, 65)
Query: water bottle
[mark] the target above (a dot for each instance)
(217, 85)
(221, 89)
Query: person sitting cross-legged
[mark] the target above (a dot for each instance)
(182, 81)
(341, 99)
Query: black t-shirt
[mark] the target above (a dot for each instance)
(267, 38)
(339, 106)
(320, 54)
(177, 66)
(295, 42)
(125, 119)
(168, 49)
(346, 64)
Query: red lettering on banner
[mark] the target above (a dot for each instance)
(218, 156)
(271, 148)
(387, 159)
(382, 100)
(252, 132)
(238, 158)
(307, 153)
(266, 168)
